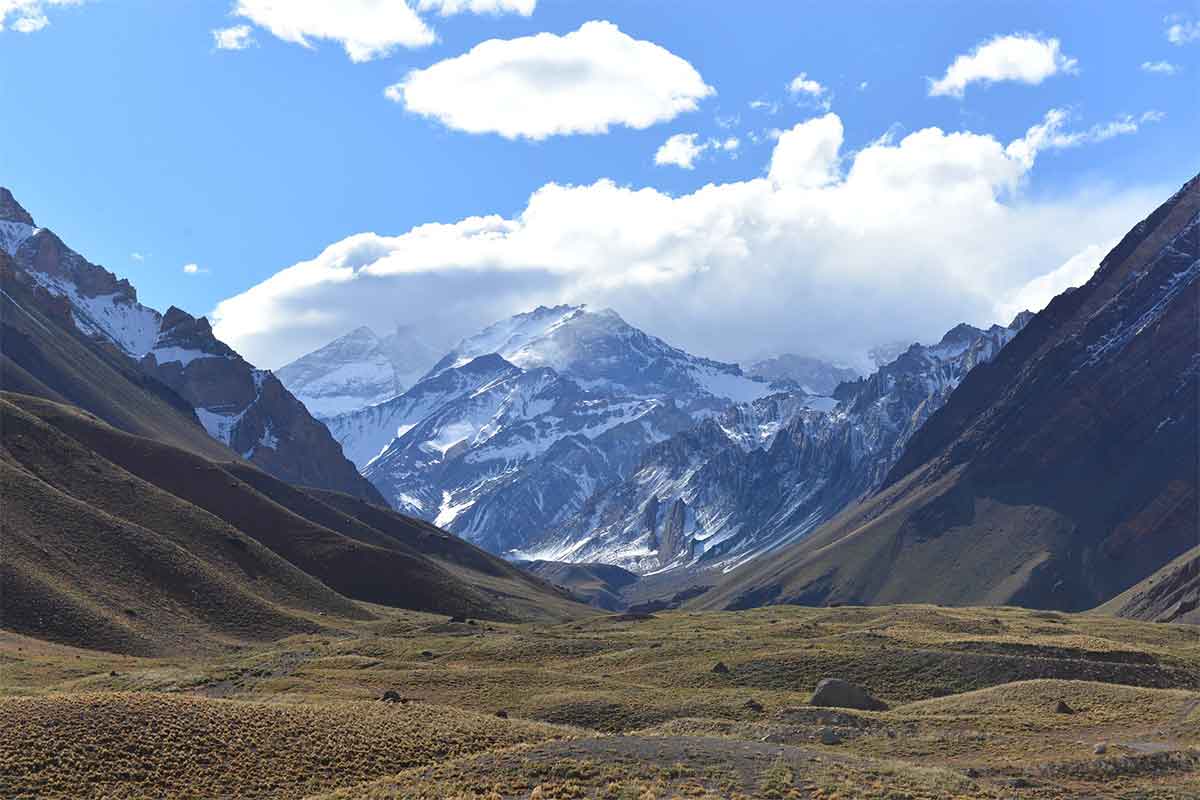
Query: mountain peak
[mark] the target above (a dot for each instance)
(11, 210)
(1020, 320)
(960, 333)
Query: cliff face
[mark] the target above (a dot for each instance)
(160, 366)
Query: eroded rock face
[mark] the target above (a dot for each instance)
(238, 405)
(763, 474)
(839, 693)
(249, 409)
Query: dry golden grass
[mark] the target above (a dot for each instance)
(973, 695)
(155, 745)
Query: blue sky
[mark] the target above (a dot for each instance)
(129, 132)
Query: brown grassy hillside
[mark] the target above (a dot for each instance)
(119, 542)
(974, 697)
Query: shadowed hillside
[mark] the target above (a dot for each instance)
(1056, 476)
(119, 542)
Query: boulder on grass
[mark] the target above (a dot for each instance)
(837, 693)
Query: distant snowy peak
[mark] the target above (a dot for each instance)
(357, 370)
(602, 352)
(509, 337)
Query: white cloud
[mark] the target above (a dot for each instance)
(1160, 67)
(1182, 31)
(136, 256)
(769, 107)
(237, 37)
(862, 87)
(1020, 57)
(548, 85)
(802, 84)
(807, 155)
(29, 16)
(194, 269)
(680, 150)
(810, 90)
(830, 253)
(1049, 133)
(1037, 293)
(367, 29)
(450, 7)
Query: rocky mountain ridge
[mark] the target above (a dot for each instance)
(244, 408)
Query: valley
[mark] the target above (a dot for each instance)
(622, 706)
(788, 453)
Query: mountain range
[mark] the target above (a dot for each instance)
(1059, 474)
(510, 432)
(163, 496)
(763, 474)
(1051, 462)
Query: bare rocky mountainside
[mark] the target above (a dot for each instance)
(160, 495)
(515, 428)
(174, 357)
(1059, 474)
(763, 474)
(567, 435)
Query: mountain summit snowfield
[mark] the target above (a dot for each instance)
(358, 369)
(517, 425)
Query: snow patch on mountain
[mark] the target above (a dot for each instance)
(128, 324)
(14, 234)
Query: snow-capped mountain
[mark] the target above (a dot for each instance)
(763, 474)
(513, 430)
(357, 370)
(245, 408)
(813, 375)
(598, 349)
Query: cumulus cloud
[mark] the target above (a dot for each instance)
(807, 155)
(810, 90)
(367, 29)
(830, 253)
(194, 269)
(1023, 57)
(237, 37)
(28, 16)
(450, 7)
(1160, 67)
(682, 149)
(548, 85)
(1182, 31)
(1037, 293)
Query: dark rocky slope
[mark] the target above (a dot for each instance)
(73, 331)
(1058, 475)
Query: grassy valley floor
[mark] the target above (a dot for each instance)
(622, 706)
